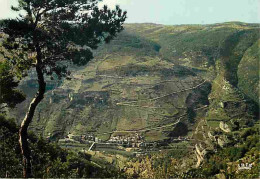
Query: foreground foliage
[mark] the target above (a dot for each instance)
(47, 35)
(48, 160)
(226, 160)
(223, 163)
(10, 96)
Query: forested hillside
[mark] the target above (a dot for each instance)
(49, 160)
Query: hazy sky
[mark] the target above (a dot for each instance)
(177, 11)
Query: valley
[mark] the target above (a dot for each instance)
(186, 88)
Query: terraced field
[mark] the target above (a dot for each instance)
(150, 78)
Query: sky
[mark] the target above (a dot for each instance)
(172, 12)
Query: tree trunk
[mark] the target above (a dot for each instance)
(24, 145)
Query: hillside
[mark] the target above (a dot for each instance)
(48, 160)
(160, 82)
(147, 77)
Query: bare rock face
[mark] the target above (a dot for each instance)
(222, 141)
(201, 153)
(224, 127)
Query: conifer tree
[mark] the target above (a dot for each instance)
(51, 35)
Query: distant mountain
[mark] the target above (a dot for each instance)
(153, 76)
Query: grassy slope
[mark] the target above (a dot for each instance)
(132, 71)
(248, 72)
(148, 61)
(136, 67)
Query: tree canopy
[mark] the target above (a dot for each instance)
(50, 35)
(61, 32)
(9, 94)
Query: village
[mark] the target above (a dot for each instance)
(132, 141)
(126, 142)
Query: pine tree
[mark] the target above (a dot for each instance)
(51, 35)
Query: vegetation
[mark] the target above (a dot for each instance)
(164, 82)
(48, 159)
(47, 34)
(248, 72)
(10, 96)
(226, 160)
(178, 164)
